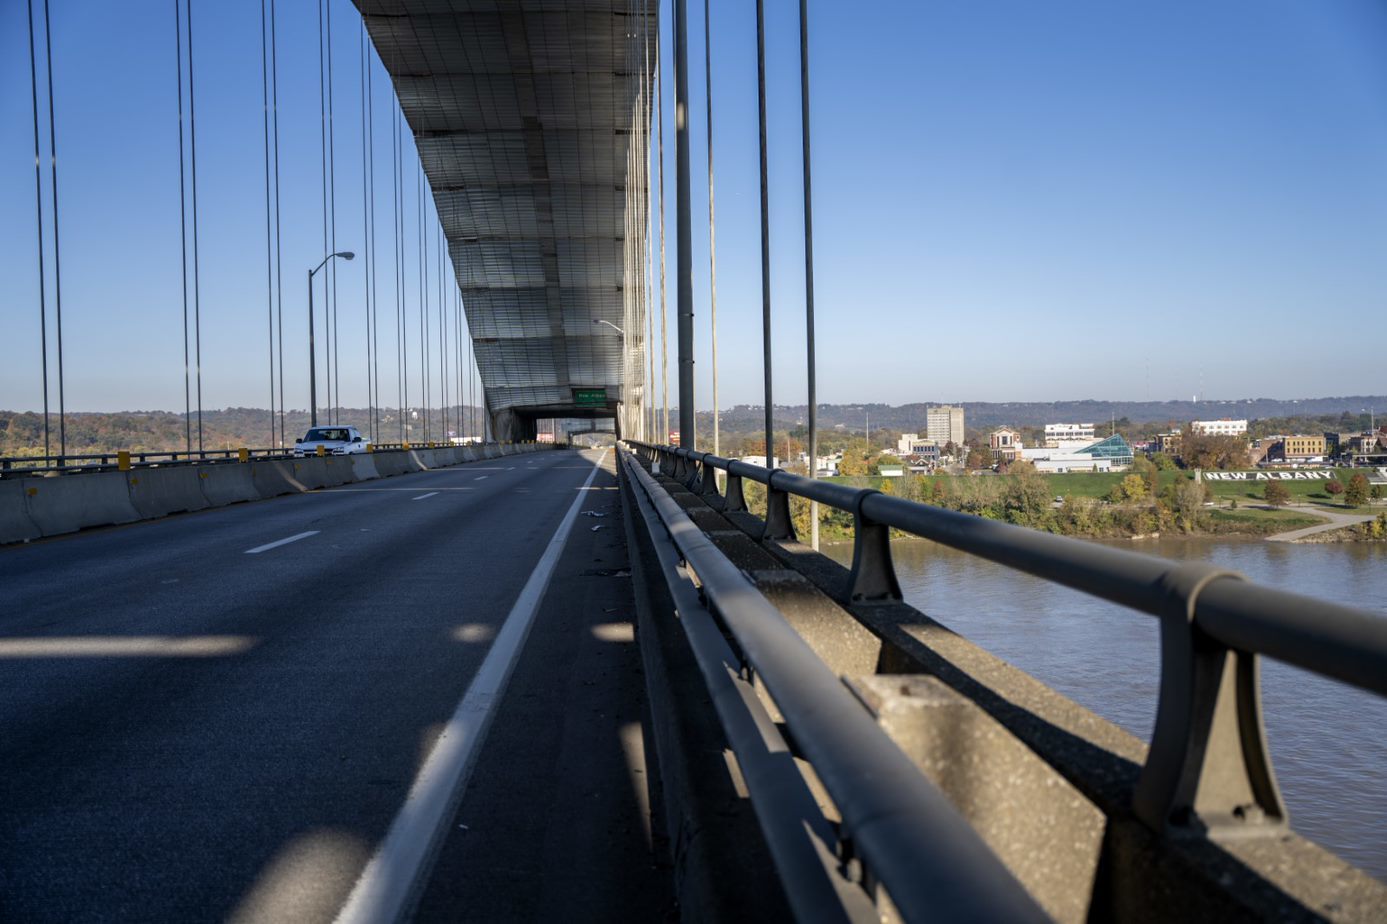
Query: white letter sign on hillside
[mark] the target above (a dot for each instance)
(1322, 474)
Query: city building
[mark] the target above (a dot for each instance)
(944, 424)
(1169, 443)
(911, 444)
(1111, 454)
(1298, 448)
(1005, 444)
(891, 471)
(1058, 433)
(1223, 427)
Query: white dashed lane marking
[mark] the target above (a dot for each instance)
(422, 496)
(277, 543)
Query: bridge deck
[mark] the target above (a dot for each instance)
(193, 732)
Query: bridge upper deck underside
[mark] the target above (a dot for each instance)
(530, 117)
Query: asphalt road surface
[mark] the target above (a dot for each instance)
(225, 715)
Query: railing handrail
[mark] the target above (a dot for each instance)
(930, 859)
(1209, 618)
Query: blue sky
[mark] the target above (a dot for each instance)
(1013, 200)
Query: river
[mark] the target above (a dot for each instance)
(1328, 741)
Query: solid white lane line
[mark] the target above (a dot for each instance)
(276, 544)
(422, 496)
(387, 885)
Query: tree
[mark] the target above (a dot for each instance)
(1376, 492)
(979, 457)
(1130, 490)
(1356, 494)
(1202, 450)
(1163, 462)
(1147, 470)
(1189, 497)
(1335, 487)
(1027, 500)
(1021, 467)
(1276, 494)
(874, 466)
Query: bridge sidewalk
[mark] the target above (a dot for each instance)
(556, 823)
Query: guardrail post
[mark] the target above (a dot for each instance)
(708, 486)
(1208, 771)
(681, 467)
(873, 575)
(778, 522)
(122, 461)
(734, 501)
(243, 454)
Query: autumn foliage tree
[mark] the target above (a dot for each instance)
(1356, 494)
(1276, 494)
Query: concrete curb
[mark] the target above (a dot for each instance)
(159, 492)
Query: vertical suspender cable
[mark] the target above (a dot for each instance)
(183, 234)
(648, 267)
(664, 308)
(38, 212)
(371, 182)
(368, 228)
(401, 355)
(197, 270)
(684, 226)
(279, 241)
(335, 410)
(442, 331)
(269, 247)
(812, 366)
(327, 276)
(765, 227)
(423, 290)
(712, 235)
(57, 241)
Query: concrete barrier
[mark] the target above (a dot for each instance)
(337, 470)
(31, 508)
(227, 484)
(15, 523)
(391, 462)
(273, 478)
(67, 503)
(363, 467)
(157, 492)
(311, 471)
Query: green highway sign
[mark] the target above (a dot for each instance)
(590, 397)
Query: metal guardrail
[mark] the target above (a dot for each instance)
(901, 829)
(1208, 769)
(13, 466)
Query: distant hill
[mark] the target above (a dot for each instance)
(21, 432)
(982, 415)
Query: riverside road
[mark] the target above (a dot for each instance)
(255, 712)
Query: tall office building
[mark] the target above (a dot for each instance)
(944, 424)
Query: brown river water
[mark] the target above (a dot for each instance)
(1328, 740)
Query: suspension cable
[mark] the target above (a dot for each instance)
(368, 228)
(712, 235)
(812, 365)
(664, 304)
(197, 271)
(334, 409)
(442, 328)
(765, 230)
(57, 241)
(279, 240)
(327, 276)
(401, 355)
(269, 247)
(183, 233)
(423, 289)
(38, 212)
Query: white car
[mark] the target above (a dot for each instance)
(336, 441)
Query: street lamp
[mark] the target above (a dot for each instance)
(312, 363)
(609, 324)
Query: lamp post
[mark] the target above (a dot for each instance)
(312, 362)
(609, 324)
